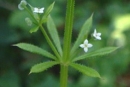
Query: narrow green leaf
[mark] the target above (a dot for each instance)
(54, 34)
(99, 52)
(84, 32)
(47, 12)
(35, 49)
(49, 9)
(42, 66)
(85, 70)
(35, 29)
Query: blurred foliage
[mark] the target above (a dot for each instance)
(111, 18)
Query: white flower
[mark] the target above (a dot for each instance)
(86, 45)
(22, 4)
(37, 10)
(97, 35)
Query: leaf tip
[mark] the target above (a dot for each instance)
(14, 45)
(100, 77)
(30, 31)
(35, 29)
(29, 73)
(53, 3)
(92, 14)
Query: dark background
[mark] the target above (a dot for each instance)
(111, 18)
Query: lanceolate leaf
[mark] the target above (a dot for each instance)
(99, 52)
(47, 12)
(54, 34)
(35, 49)
(85, 70)
(84, 31)
(42, 66)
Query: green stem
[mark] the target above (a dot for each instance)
(63, 75)
(31, 14)
(67, 43)
(68, 29)
(49, 42)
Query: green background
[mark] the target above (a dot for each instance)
(111, 18)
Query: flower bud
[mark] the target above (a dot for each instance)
(22, 4)
(28, 21)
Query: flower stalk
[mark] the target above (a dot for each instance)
(50, 42)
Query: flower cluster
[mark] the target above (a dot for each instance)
(35, 10)
(87, 45)
(23, 5)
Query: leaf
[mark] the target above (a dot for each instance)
(84, 31)
(47, 12)
(42, 66)
(85, 70)
(35, 49)
(35, 29)
(54, 34)
(99, 52)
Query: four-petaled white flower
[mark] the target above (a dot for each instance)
(97, 35)
(85, 45)
(22, 4)
(38, 10)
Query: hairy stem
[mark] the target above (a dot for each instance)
(68, 29)
(67, 43)
(63, 75)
